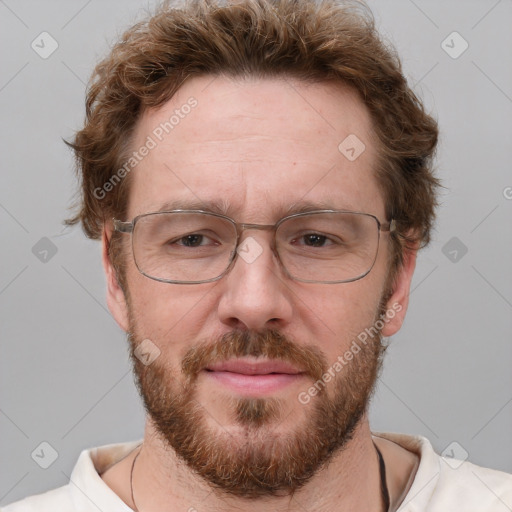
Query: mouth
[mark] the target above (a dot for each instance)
(254, 377)
(254, 367)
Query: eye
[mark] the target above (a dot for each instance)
(192, 240)
(313, 240)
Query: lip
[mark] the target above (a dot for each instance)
(252, 377)
(254, 367)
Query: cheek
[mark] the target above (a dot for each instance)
(172, 316)
(334, 315)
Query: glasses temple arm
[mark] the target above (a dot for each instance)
(391, 227)
(123, 227)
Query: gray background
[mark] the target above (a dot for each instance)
(65, 373)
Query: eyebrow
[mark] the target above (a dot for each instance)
(220, 207)
(223, 207)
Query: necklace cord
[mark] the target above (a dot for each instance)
(131, 479)
(383, 484)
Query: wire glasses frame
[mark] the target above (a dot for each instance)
(238, 229)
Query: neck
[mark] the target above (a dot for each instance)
(350, 482)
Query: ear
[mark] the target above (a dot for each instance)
(397, 304)
(116, 299)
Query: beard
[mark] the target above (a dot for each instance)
(254, 460)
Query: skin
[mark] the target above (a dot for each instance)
(260, 146)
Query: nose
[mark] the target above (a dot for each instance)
(255, 292)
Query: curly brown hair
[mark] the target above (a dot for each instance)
(313, 41)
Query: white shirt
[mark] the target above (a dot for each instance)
(440, 485)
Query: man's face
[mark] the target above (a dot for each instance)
(258, 147)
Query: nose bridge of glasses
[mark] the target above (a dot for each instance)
(242, 227)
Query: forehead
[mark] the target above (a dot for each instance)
(256, 148)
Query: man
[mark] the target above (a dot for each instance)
(260, 176)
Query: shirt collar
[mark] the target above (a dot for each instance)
(427, 474)
(89, 491)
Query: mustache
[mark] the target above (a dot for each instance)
(270, 344)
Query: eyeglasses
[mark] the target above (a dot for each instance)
(194, 246)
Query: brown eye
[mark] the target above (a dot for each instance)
(191, 240)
